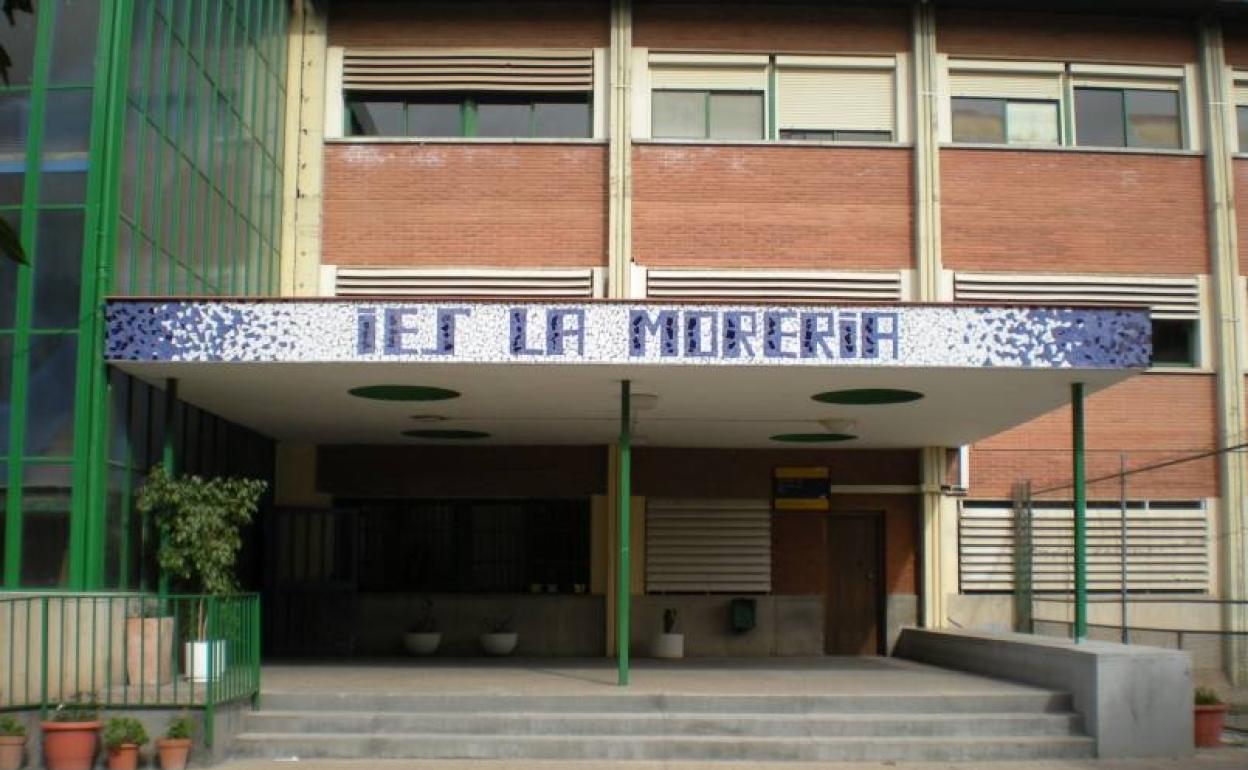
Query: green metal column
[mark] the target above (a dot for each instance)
(623, 583)
(1081, 520)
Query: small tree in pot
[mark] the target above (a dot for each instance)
(201, 522)
(12, 742)
(123, 736)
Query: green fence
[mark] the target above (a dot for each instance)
(129, 650)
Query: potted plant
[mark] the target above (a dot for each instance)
(70, 734)
(122, 738)
(1210, 716)
(499, 637)
(422, 636)
(175, 747)
(201, 521)
(12, 742)
(669, 644)
(149, 644)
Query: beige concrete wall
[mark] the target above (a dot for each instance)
(787, 625)
(85, 647)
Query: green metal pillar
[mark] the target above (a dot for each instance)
(1081, 517)
(623, 583)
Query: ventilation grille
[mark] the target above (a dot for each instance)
(460, 70)
(708, 546)
(1167, 547)
(403, 282)
(775, 284)
(1167, 297)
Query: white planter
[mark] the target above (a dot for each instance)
(422, 642)
(195, 665)
(499, 644)
(668, 646)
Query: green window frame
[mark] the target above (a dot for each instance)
(1176, 342)
(469, 112)
(1129, 136)
(708, 95)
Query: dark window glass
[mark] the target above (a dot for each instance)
(50, 395)
(1174, 342)
(119, 400)
(1241, 117)
(14, 126)
(58, 269)
(1099, 118)
(503, 119)
(678, 114)
(8, 277)
(115, 573)
(434, 119)
(978, 121)
(558, 120)
(67, 125)
(73, 41)
(823, 135)
(4, 501)
(6, 384)
(802, 135)
(18, 41)
(1153, 119)
(736, 116)
(377, 118)
(45, 525)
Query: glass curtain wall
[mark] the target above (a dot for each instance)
(140, 153)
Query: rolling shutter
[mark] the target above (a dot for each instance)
(708, 72)
(776, 284)
(835, 98)
(1167, 547)
(1176, 298)
(1006, 85)
(708, 546)
(411, 282)
(467, 70)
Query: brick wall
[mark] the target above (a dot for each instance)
(1038, 211)
(475, 23)
(447, 204)
(1241, 211)
(1152, 418)
(747, 473)
(770, 27)
(799, 563)
(1235, 39)
(750, 206)
(1024, 35)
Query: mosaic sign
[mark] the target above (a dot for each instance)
(619, 333)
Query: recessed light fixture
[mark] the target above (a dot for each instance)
(812, 438)
(404, 393)
(430, 417)
(839, 425)
(450, 435)
(867, 396)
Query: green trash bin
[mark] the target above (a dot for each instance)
(742, 615)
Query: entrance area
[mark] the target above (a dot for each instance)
(855, 584)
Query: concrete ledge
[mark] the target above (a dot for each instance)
(1135, 701)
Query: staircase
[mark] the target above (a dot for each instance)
(760, 728)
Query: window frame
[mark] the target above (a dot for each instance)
(1006, 101)
(469, 111)
(1126, 92)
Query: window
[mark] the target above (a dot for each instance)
(538, 116)
(1241, 117)
(1004, 121)
(801, 135)
(706, 114)
(1175, 342)
(1127, 117)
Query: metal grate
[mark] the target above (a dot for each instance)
(776, 284)
(708, 546)
(468, 70)
(413, 282)
(1170, 297)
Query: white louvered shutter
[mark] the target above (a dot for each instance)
(833, 98)
(776, 284)
(468, 70)
(1167, 297)
(708, 546)
(1167, 547)
(467, 282)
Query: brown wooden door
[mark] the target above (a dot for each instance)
(852, 617)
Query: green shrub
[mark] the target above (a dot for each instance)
(119, 731)
(1207, 697)
(180, 726)
(11, 727)
(83, 707)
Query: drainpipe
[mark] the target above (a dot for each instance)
(620, 159)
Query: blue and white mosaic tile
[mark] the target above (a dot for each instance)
(944, 336)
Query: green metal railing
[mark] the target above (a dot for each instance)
(129, 650)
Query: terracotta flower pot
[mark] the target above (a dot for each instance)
(1208, 722)
(70, 745)
(149, 651)
(124, 757)
(173, 752)
(11, 749)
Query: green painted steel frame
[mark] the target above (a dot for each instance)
(1081, 513)
(624, 588)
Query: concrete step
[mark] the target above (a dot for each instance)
(675, 748)
(668, 724)
(1038, 701)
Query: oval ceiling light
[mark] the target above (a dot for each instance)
(430, 417)
(867, 396)
(812, 438)
(452, 435)
(404, 393)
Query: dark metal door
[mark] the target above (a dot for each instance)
(310, 581)
(854, 585)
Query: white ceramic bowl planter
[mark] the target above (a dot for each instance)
(422, 642)
(502, 643)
